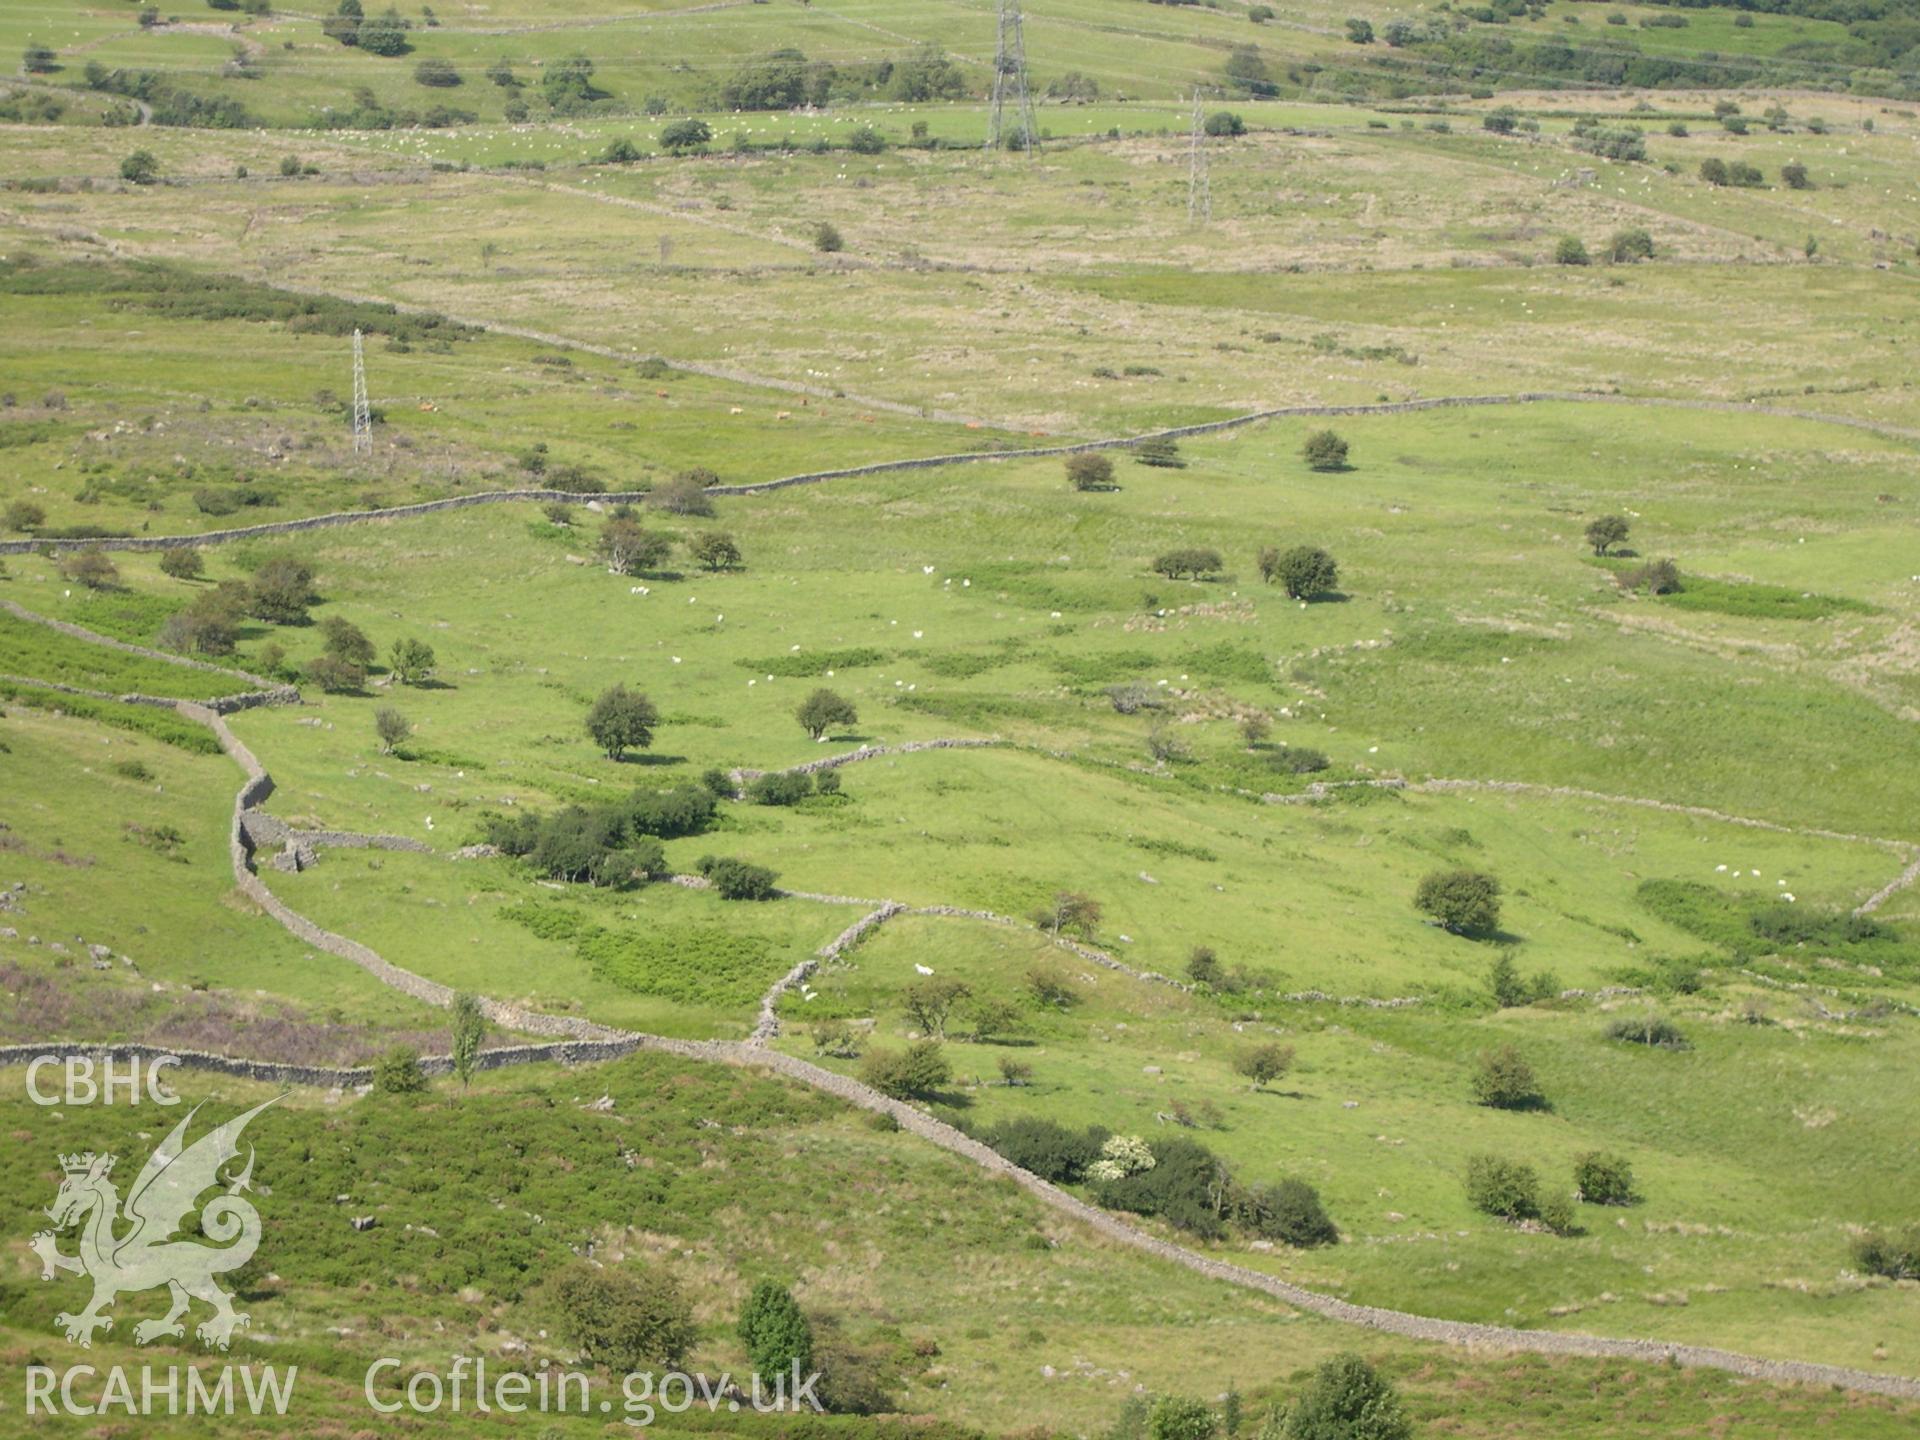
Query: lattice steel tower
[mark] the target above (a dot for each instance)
(362, 415)
(1010, 84)
(1199, 187)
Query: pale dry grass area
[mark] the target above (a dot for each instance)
(1338, 268)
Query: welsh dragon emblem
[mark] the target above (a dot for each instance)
(147, 1255)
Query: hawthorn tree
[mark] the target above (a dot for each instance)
(627, 548)
(1069, 911)
(622, 719)
(715, 550)
(1305, 571)
(1089, 472)
(1264, 1063)
(823, 710)
(391, 726)
(1607, 531)
(1465, 902)
(1325, 450)
(410, 660)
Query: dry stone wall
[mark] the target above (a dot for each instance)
(931, 462)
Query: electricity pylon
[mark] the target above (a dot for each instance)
(1010, 83)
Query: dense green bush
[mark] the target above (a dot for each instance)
(183, 564)
(1507, 1188)
(280, 591)
(1187, 1187)
(625, 1318)
(735, 879)
(1298, 760)
(1304, 572)
(336, 676)
(1288, 1211)
(1604, 1179)
(621, 719)
(1892, 1253)
(1347, 1399)
(1196, 561)
(823, 711)
(1504, 1080)
(1050, 1150)
(780, 787)
(1324, 450)
(919, 1070)
(1654, 1030)
(775, 1333)
(398, 1072)
(613, 844)
(1466, 902)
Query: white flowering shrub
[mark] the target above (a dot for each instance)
(1121, 1156)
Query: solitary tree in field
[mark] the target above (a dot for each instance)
(715, 550)
(1194, 560)
(347, 641)
(622, 718)
(1305, 571)
(1504, 1080)
(391, 726)
(929, 1000)
(1606, 532)
(823, 710)
(140, 168)
(281, 591)
(1071, 912)
(1255, 726)
(1090, 472)
(410, 660)
(469, 1029)
(1325, 450)
(627, 548)
(776, 1334)
(1466, 902)
(183, 564)
(91, 568)
(684, 135)
(1264, 1063)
